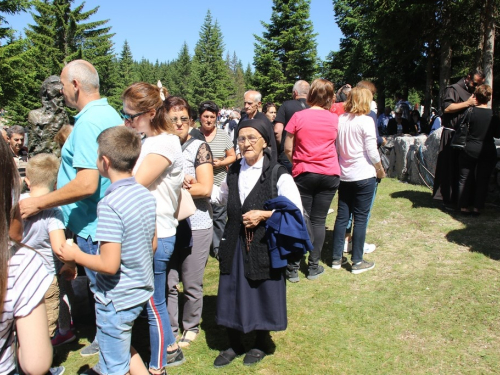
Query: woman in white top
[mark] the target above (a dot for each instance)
(360, 167)
(23, 283)
(159, 168)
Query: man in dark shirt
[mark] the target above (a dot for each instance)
(15, 136)
(392, 125)
(285, 113)
(456, 99)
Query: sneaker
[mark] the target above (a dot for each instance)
(315, 272)
(292, 276)
(175, 358)
(338, 263)
(56, 370)
(60, 339)
(369, 248)
(362, 266)
(330, 211)
(91, 349)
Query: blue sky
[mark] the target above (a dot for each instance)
(156, 29)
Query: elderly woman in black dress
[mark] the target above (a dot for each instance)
(252, 294)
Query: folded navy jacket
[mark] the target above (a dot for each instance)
(286, 231)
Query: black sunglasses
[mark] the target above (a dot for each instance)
(129, 117)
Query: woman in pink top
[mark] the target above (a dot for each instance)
(310, 146)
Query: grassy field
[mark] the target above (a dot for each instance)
(430, 306)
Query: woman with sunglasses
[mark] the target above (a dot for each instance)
(194, 235)
(159, 168)
(223, 152)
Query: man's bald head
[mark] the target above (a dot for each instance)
(301, 89)
(85, 73)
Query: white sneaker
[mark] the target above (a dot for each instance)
(369, 248)
(330, 211)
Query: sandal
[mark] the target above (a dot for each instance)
(187, 338)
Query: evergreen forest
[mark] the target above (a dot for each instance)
(415, 48)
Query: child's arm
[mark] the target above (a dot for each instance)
(57, 238)
(107, 261)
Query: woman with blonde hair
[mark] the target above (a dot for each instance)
(159, 168)
(360, 167)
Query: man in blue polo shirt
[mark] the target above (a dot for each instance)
(79, 186)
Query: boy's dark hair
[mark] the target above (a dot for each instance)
(121, 146)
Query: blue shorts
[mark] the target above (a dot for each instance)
(114, 333)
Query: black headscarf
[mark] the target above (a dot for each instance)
(267, 132)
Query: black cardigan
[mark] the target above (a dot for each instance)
(257, 261)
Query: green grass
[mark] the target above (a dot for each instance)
(430, 306)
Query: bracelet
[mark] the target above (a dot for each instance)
(379, 169)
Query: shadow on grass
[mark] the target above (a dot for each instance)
(480, 234)
(419, 199)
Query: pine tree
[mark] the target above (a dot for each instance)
(249, 78)
(210, 76)
(286, 51)
(10, 7)
(16, 95)
(238, 77)
(127, 71)
(180, 83)
(60, 35)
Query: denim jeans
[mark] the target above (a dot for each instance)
(355, 197)
(160, 332)
(114, 331)
(349, 225)
(89, 247)
(316, 192)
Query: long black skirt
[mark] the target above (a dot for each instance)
(447, 171)
(249, 305)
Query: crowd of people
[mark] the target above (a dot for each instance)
(141, 206)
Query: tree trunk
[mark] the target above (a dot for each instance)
(445, 68)
(446, 53)
(489, 43)
(429, 81)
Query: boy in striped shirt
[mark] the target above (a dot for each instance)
(124, 263)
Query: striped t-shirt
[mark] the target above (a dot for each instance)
(28, 281)
(127, 215)
(219, 145)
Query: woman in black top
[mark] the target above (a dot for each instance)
(478, 158)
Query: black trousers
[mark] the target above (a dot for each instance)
(473, 180)
(317, 192)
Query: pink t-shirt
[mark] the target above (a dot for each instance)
(315, 132)
(337, 108)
